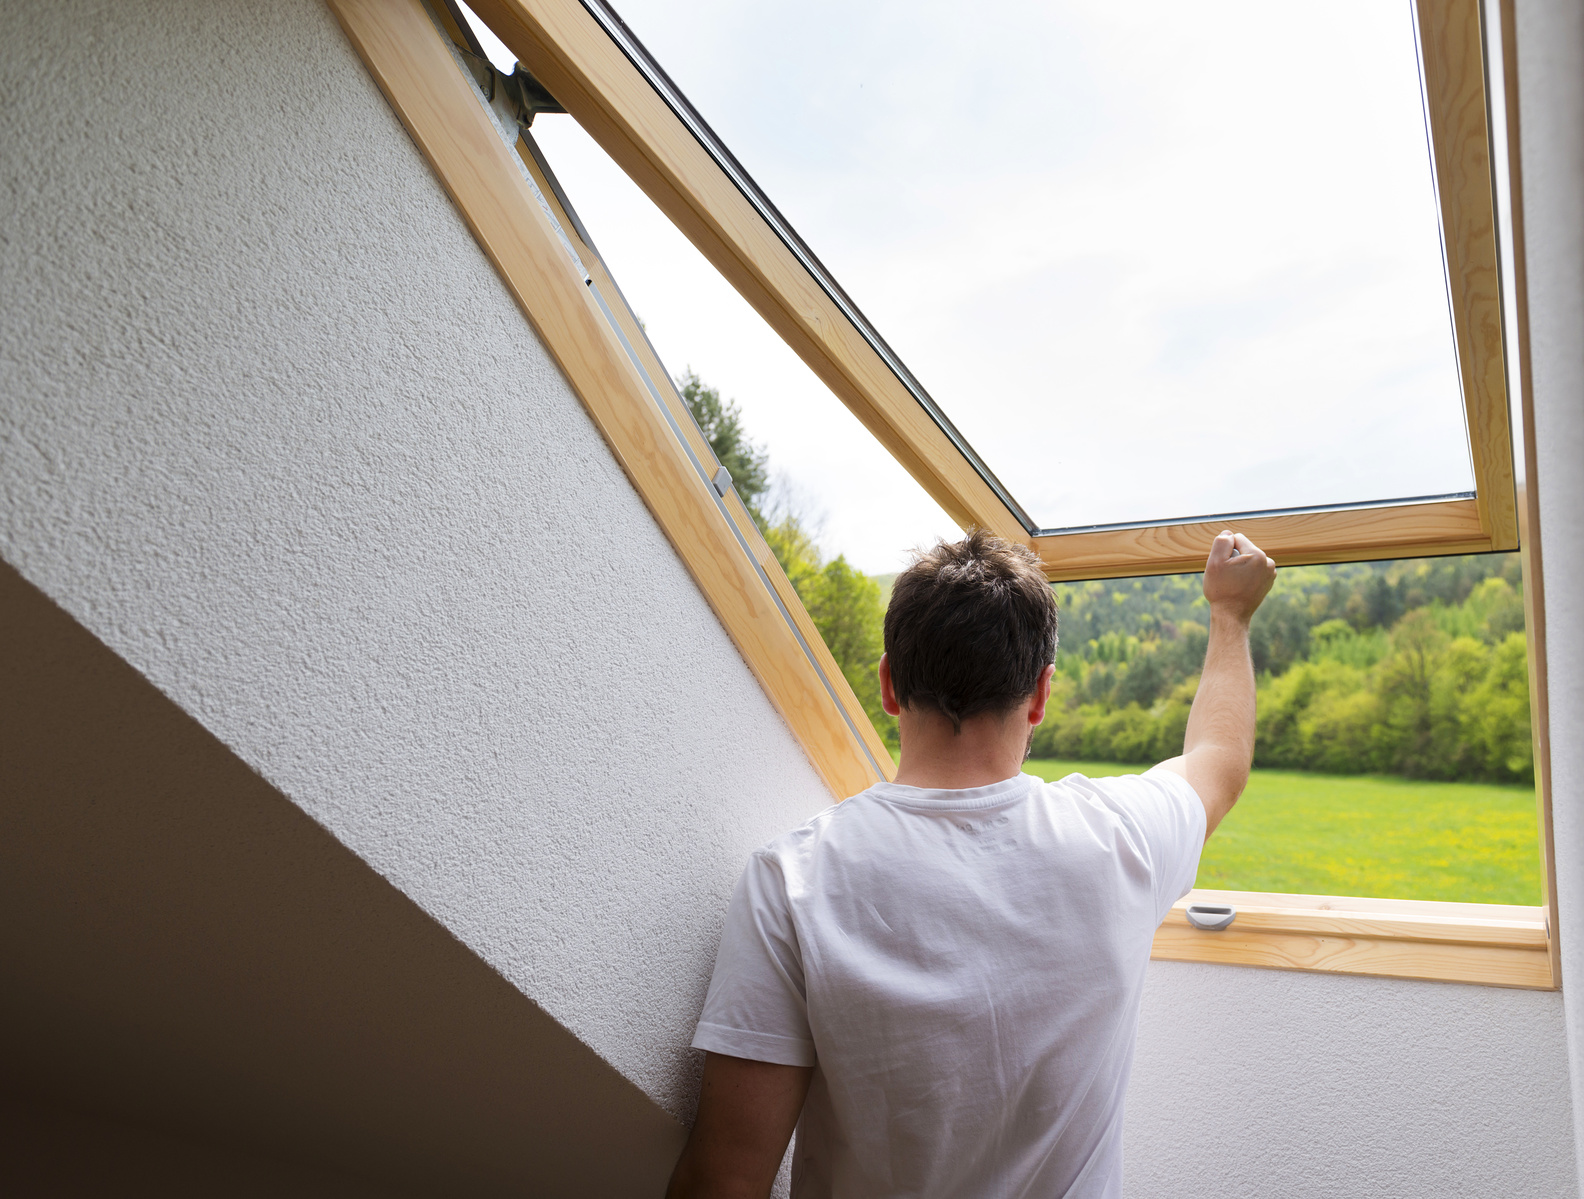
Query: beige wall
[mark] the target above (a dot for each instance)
(190, 952)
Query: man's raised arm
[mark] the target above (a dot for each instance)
(1219, 746)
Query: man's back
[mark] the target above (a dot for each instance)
(937, 982)
(965, 967)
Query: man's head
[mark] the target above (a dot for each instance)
(970, 629)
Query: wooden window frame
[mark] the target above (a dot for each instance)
(598, 74)
(1495, 944)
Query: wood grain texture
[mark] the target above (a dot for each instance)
(404, 53)
(1533, 557)
(1494, 945)
(878, 750)
(563, 46)
(1440, 908)
(595, 265)
(1454, 79)
(735, 508)
(1359, 534)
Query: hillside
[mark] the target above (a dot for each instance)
(1415, 668)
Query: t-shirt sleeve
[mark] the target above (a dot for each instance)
(757, 1003)
(1171, 819)
(1174, 819)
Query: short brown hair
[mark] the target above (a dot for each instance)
(970, 626)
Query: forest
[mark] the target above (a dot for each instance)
(1416, 668)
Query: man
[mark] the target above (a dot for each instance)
(941, 976)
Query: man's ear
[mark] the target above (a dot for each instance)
(888, 699)
(1041, 696)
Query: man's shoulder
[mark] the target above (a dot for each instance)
(856, 829)
(807, 836)
(1149, 779)
(1127, 798)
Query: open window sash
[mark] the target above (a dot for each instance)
(588, 59)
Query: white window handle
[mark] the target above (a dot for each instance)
(1210, 917)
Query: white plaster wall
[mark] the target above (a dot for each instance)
(1254, 1084)
(1551, 101)
(272, 429)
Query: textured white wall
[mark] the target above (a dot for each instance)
(273, 430)
(1551, 101)
(1251, 1084)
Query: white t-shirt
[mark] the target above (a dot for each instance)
(964, 969)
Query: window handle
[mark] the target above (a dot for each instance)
(1210, 917)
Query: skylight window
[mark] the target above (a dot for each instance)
(584, 57)
(1153, 261)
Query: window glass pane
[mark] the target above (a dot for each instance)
(823, 464)
(839, 513)
(1155, 260)
(1394, 757)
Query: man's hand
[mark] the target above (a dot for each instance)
(747, 1111)
(1237, 576)
(1219, 746)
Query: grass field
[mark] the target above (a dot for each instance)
(1372, 835)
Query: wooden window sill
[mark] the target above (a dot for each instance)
(1491, 944)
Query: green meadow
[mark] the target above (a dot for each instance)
(1368, 835)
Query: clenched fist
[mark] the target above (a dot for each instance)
(1237, 576)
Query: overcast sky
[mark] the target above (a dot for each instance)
(1153, 259)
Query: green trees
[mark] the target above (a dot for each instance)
(1098, 730)
(721, 423)
(845, 604)
(1413, 668)
(846, 607)
(1434, 706)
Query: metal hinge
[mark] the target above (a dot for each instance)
(524, 95)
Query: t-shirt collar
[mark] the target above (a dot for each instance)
(954, 799)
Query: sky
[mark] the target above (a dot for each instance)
(1154, 260)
